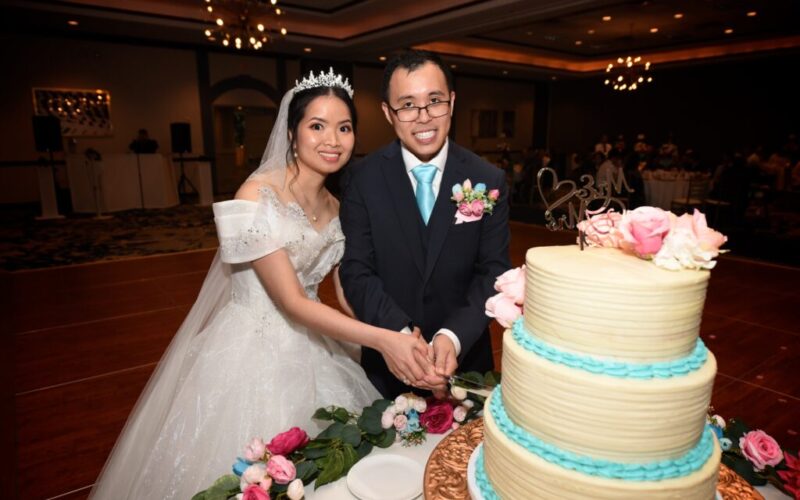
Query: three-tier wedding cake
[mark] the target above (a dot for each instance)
(606, 384)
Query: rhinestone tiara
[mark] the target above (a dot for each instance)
(329, 79)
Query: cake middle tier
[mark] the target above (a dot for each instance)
(639, 414)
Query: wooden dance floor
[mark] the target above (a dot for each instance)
(82, 341)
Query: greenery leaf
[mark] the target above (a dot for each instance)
(315, 453)
(741, 466)
(306, 471)
(333, 470)
(370, 421)
(381, 404)
(492, 378)
(351, 435)
(383, 440)
(200, 495)
(735, 429)
(474, 377)
(334, 431)
(322, 414)
(364, 449)
(341, 415)
(350, 457)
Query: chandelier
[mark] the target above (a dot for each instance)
(628, 74)
(243, 23)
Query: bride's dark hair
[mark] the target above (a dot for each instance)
(297, 110)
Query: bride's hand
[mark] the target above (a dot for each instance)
(401, 353)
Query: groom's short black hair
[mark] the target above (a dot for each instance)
(410, 60)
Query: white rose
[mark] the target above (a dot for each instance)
(295, 491)
(458, 392)
(253, 475)
(718, 421)
(459, 414)
(401, 404)
(387, 419)
(468, 403)
(392, 408)
(420, 405)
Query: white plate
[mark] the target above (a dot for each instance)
(472, 483)
(385, 477)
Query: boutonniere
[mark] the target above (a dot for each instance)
(473, 202)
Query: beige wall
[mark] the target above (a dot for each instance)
(152, 87)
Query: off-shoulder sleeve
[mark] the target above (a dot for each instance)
(247, 230)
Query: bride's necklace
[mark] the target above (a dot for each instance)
(312, 214)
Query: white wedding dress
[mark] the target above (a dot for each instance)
(238, 368)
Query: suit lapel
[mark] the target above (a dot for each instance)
(402, 195)
(444, 209)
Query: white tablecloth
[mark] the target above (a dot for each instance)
(338, 490)
(114, 182)
(199, 174)
(661, 192)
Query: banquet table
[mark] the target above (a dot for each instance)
(659, 192)
(121, 182)
(339, 491)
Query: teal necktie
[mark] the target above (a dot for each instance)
(425, 198)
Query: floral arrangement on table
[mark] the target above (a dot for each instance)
(756, 456)
(670, 241)
(283, 467)
(473, 202)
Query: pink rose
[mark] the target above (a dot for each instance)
(281, 469)
(643, 230)
(253, 492)
(503, 308)
(602, 230)
(458, 196)
(254, 450)
(477, 207)
(467, 186)
(760, 449)
(494, 194)
(287, 442)
(459, 413)
(400, 423)
(465, 209)
(512, 284)
(439, 417)
(707, 237)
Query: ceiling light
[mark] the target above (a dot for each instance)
(306, 49)
(591, 32)
(72, 22)
(653, 30)
(752, 13)
(453, 66)
(244, 23)
(728, 31)
(578, 42)
(529, 33)
(505, 72)
(678, 16)
(606, 18)
(628, 73)
(382, 58)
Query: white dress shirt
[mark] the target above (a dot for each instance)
(439, 162)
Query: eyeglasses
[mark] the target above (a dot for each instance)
(411, 113)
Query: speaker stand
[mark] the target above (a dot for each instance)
(97, 186)
(141, 187)
(47, 191)
(183, 181)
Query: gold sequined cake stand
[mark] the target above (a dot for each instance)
(446, 470)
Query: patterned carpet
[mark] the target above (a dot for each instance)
(26, 243)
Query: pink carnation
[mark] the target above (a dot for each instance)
(477, 207)
(281, 469)
(254, 450)
(512, 284)
(602, 230)
(494, 194)
(254, 492)
(643, 230)
(760, 449)
(503, 308)
(287, 442)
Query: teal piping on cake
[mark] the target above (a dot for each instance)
(487, 490)
(659, 470)
(597, 366)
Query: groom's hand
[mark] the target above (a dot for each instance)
(444, 355)
(401, 353)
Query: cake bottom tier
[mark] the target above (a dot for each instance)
(515, 473)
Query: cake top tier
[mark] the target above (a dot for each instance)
(606, 303)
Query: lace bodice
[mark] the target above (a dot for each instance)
(249, 230)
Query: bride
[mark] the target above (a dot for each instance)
(258, 353)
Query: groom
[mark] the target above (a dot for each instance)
(407, 263)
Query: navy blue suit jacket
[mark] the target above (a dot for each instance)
(397, 271)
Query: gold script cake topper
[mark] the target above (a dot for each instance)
(578, 203)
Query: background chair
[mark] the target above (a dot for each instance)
(695, 196)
